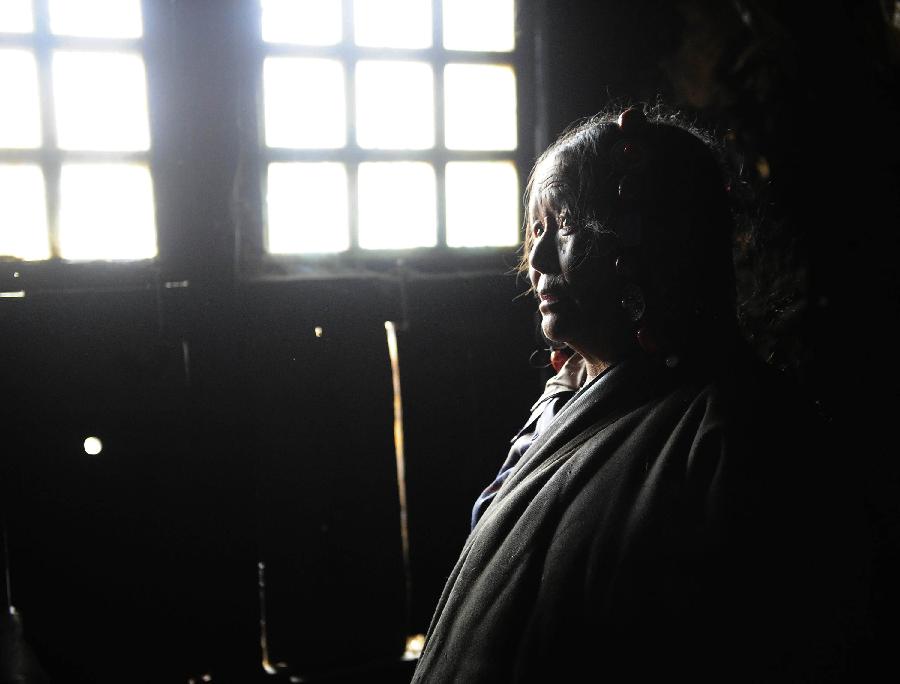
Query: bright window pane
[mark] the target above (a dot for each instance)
(106, 212)
(304, 22)
(487, 25)
(307, 208)
(392, 23)
(23, 216)
(304, 102)
(397, 205)
(482, 204)
(394, 105)
(96, 18)
(20, 120)
(101, 101)
(480, 107)
(15, 16)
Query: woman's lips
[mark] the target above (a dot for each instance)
(548, 300)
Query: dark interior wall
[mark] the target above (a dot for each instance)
(271, 444)
(805, 96)
(234, 435)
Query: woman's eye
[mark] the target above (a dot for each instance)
(537, 229)
(566, 224)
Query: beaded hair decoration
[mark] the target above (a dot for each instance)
(628, 157)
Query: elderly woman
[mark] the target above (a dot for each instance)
(670, 522)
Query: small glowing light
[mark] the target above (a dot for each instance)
(480, 107)
(16, 274)
(106, 212)
(20, 118)
(96, 18)
(304, 103)
(393, 23)
(16, 294)
(307, 208)
(319, 332)
(23, 213)
(303, 22)
(394, 105)
(414, 646)
(93, 446)
(206, 678)
(385, 224)
(484, 25)
(101, 101)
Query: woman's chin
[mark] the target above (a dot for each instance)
(554, 329)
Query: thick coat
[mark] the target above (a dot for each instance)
(669, 525)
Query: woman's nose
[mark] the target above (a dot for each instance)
(544, 256)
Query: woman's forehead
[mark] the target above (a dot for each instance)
(552, 186)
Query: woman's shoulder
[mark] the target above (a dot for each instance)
(741, 391)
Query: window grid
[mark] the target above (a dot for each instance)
(42, 43)
(352, 154)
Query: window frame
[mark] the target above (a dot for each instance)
(257, 263)
(205, 109)
(42, 43)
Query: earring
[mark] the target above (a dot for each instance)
(536, 360)
(633, 302)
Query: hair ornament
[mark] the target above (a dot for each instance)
(632, 121)
(629, 154)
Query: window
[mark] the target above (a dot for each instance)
(388, 125)
(75, 179)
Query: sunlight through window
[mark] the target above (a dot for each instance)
(20, 118)
(304, 103)
(480, 107)
(397, 205)
(394, 105)
(357, 145)
(23, 216)
(393, 23)
(307, 208)
(482, 204)
(101, 101)
(106, 212)
(15, 16)
(96, 18)
(486, 25)
(302, 22)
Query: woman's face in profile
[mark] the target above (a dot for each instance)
(573, 275)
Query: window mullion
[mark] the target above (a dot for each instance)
(348, 57)
(440, 162)
(50, 155)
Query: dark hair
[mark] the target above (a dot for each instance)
(657, 187)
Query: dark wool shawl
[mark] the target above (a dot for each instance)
(670, 524)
